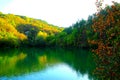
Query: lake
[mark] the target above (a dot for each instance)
(46, 64)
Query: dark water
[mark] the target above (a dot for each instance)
(46, 64)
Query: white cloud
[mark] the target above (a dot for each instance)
(57, 12)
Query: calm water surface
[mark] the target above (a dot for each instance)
(46, 64)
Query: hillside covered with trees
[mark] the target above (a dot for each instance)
(18, 30)
(102, 27)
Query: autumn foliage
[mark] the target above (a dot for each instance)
(18, 31)
(107, 26)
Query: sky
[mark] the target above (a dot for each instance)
(62, 13)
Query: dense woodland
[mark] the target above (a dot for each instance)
(100, 33)
(18, 31)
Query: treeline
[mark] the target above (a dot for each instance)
(18, 31)
(103, 26)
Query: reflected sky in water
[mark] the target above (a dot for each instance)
(56, 72)
(46, 64)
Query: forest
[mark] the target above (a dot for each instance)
(100, 33)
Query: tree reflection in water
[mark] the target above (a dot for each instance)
(49, 62)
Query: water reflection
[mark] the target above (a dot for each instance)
(46, 64)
